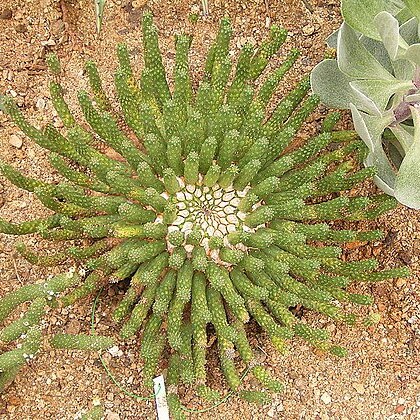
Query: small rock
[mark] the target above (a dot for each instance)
(400, 408)
(110, 396)
(326, 398)
(15, 141)
(21, 28)
(6, 14)
(40, 103)
(400, 282)
(112, 416)
(308, 30)
(73, 327)
(360, 389)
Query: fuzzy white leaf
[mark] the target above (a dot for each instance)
(355, 60)
(407, 186)
(414, 6)
(377, 49)
(389, 31)
(403, 69)
(360, 14)
(413, 54)
(405, 136)
(380, 91)
(370, 129)
(332, 40)
(333, 87)
(409, 31)
(368, 103)
(415, 97)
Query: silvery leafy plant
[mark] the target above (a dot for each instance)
(377, 76)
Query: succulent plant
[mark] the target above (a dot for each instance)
(203, 213)
(377, 76)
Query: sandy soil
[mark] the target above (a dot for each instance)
(376, 381)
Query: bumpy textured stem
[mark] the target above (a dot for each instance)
(201, 218)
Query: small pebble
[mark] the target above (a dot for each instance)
(399, 409)
(21, 28)
(308, 30)
(326, 398)
(6, 14)
(15, 141)
(40, 103)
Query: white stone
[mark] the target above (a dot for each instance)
(326, 398)
(15, 141)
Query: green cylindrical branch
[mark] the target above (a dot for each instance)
(212, 175)
(191, 166)
(81, 342)
(256, 397)
(242, 343)
(53, 64)
(90, 284)
(330, 121)
(12, 360)
(136, 214)
(218, 315)
(153, 58)
(207, 153)
(270, 85)
(170, 180)
(33, 226)
(260, 60)
(157, 152)
(262, 375)
(20, 326)
(226, 356)
(247, 174)
(41, 260)
(96, 85)
(127, 302)
(241, 74)
(164, 293)
(226, 177)
(147, 177)
(246, 287)
(208, 393)
(172, 380)
(199, 259)
(152, 346)
(177, 258)
(148, 230)
(175, 316)
(146, 251)
(187, 371)
(56, 92)
(140, 311)
(47, 290)
(261, 215)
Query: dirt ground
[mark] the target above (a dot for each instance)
(378, 378)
